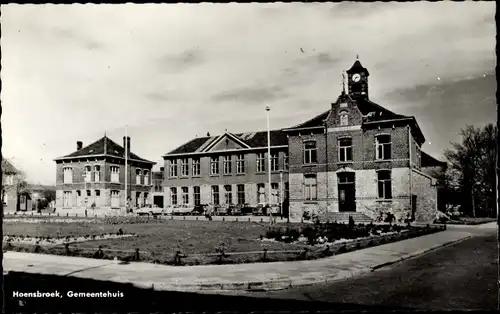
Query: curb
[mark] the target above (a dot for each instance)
(420, 252)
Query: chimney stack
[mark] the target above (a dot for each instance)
(79, 145)
(126, 139)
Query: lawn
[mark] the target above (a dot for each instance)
(159, 240)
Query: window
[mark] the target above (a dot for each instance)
(285, 161)
(310, 153)
(87, 174)
(310, 187)
(261, 162)
(275, 193)
(146, 177)
(384, 184)
(68, 175)
(261, 193)
(97, 173)
(172, 168)
(240, 163)
(146, 202)
(215, 195)
(184, 167)
(345, 149)
(241, 193)
(67, 199)
(214, 165)
(89, 193)
(138, 174)
(196, 166)
(227, 164)
(228, 194)
(157, 185)
(173, 196)
(274, 162)
(383, 147)
(97, 196)
(196, 195)
(185, 195)
(115, 174)
(344, 119)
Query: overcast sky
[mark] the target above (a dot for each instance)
(173, 72)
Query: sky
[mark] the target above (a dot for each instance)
(172, 72)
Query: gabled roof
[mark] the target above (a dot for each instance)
(315, 122)
(429, 161)
(380, 113)
(7, 167)
(251, 139)
(103, 147)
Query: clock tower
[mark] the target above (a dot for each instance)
(357, 81)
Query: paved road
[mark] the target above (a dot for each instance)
(461, 276)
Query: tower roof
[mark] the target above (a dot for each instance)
(357, 67)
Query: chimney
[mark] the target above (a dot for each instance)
(126, 139)
(208, 133)
(79, 145)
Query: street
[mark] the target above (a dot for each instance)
(460, 276)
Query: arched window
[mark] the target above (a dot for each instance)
(138, 174)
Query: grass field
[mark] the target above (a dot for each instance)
(158, 241)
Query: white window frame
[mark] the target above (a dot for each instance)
(145, 173)
(185, 167)
(275, 190)
(172, 168)
(380, 147)
(97, 173)
(261, 193)
(214, 165)
(215, 192)
(343, 156)
(197, 195)
(138, 174)
(310, 153)
(240, 193)
(227, 163)
(185, 195)
(67, 175)
(115, 174)
(228, 194)
(275, 165)
(310, 189)
(173, 196)
(87, 174)
(195, 162)
(261, 162)
(240, 163)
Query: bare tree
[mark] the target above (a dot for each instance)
(473, 165)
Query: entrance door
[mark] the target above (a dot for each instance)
(347, 192)
(158, 200)
(115, 199)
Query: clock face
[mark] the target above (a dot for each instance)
(356, 77)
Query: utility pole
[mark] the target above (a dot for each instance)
(126, 169)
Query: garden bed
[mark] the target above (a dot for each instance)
(206, 242)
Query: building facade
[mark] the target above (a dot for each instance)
(15, 197)
(227, 169)
(360, 157)
(157, 188)
(94, 177)
(356, 156)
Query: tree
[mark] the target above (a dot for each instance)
(473, 164)
(12, 179)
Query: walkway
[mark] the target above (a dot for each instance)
(267, 276)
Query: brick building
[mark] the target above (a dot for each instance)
(227, 169)
(15, 197)
(356, 157)
(360, 157)
(95, 174)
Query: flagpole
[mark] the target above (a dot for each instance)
(126, 168)
(268, 156)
